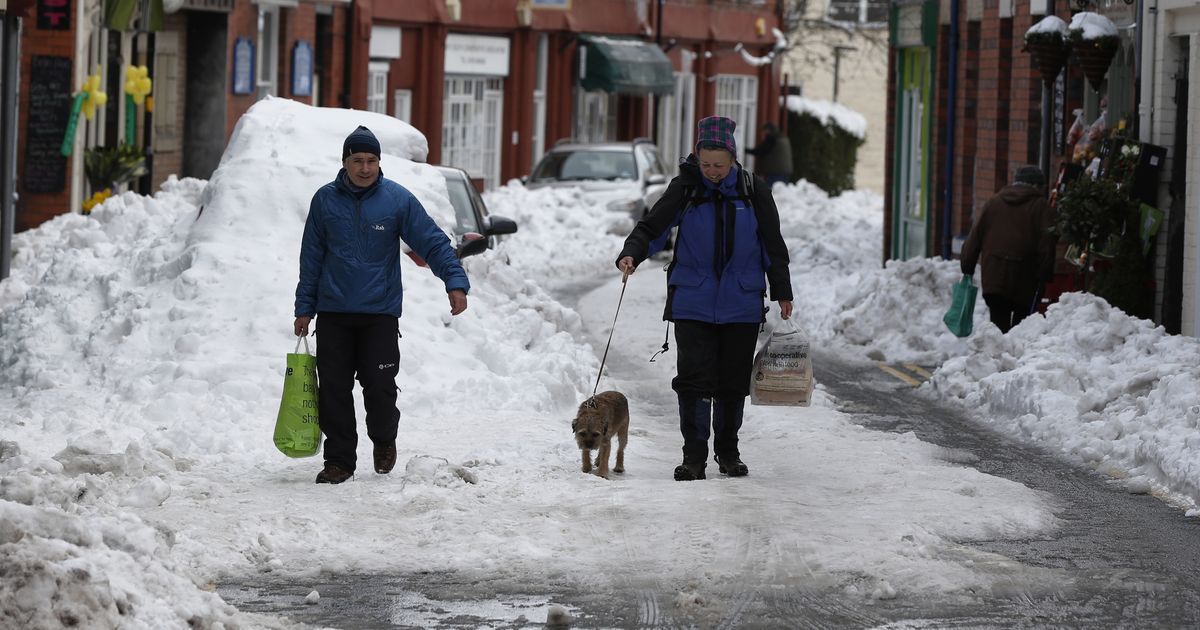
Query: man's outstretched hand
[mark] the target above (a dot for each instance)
(458, 301)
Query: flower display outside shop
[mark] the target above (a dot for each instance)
(109, 168)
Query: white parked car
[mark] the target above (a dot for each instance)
(630, 172)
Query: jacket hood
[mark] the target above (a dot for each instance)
(1018, 194)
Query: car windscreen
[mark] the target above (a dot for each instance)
(580, 165)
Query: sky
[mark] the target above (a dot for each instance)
(142, 351)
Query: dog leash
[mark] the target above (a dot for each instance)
(624, 283)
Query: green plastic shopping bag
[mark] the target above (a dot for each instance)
(297, 432)
(960, 318)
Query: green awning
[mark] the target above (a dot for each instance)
(625, 66)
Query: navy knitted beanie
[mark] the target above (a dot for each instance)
(360, 140)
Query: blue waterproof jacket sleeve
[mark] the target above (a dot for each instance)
(312, 258)
(431, 243)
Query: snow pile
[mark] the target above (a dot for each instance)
(1092, 26)
(843, 296)
(830, 114)
(564, 234)
(1050, 24)
(144, 349)
(1106, 389)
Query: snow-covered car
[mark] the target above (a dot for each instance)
(628, 172)
(476, 231)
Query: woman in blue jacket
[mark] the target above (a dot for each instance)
(350, 280)
(728, 249)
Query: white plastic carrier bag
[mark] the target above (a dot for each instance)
(782, 372)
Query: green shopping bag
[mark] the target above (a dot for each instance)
(297, 432)
(960, 318)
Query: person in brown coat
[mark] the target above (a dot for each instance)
(1012, 241)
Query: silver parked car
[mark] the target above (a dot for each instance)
(628, 172)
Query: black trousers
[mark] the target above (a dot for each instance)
(1003, 312)
(714, 360)
(712, 381)
(365, 347)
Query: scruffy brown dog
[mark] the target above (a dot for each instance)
(599, 419)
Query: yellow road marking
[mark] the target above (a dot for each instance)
(916, 369)
(898, 374)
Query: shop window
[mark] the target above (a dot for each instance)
(595, 116)
(471, 125)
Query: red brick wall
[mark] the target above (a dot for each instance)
(243, 23)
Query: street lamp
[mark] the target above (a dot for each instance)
(837, 65)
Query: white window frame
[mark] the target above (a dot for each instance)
(861, 19)
(267, 51)
(472, 121)
(737, 98)
(402, 105)
(377, 82)
(538, 138)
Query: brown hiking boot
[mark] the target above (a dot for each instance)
(385, 458)
(333, 474)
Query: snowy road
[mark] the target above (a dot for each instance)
(1114, 560)
(1124, 560)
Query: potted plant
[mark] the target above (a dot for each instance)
(1094, 40)
(1090, 213)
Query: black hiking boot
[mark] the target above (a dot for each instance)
(732, 466)
(385, 458)
(689, 472)
(333, 474)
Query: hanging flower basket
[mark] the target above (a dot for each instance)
(1047, 41)
(1095, 56)
(1049, 56)
(1095, 41)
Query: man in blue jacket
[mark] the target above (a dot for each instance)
(350, 277)
(728, 250)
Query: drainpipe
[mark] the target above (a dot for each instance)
(1048, 114)
(951, 123)
(655, 97)
(8, 125)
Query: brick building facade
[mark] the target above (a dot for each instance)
(211, 60)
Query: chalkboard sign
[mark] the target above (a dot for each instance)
(45, 168)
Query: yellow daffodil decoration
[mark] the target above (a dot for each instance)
(137, 83)
(94, 97)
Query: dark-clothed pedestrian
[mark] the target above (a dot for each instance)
(728, 250)
(1012, 242)
(350, 281)
(773, 155)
